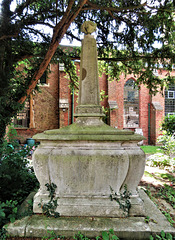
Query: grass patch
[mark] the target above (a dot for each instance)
(147, 174)
(167, 176)
(150, 149)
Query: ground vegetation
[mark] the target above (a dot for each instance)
(159, 181)
(17, 179)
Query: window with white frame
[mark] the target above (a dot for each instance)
(171, 94)
(170, 100)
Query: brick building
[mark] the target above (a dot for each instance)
(127, 106)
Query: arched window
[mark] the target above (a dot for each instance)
(170, 100)
(131, 105)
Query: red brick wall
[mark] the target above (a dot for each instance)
(47, 113)
(45, 106)
(24, 133)
(66, 116)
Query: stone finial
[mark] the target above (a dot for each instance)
(88, 27)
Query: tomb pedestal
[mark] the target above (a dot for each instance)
(85, 162)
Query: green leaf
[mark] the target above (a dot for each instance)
(115, 237)
(12, 219)
(15, 210)
(105, 235)
(162, 233)
(111, 231)
(169, 236)
(2, 214)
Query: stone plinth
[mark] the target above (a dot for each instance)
(130, 228)
(84, 162)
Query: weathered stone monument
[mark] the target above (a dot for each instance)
(86, 160)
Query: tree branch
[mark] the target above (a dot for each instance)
(120, 59)
(58, 34)
(21, 7)
(127, 21)
(39, 23)
(63, 20)
(93, 6)
(9, 36)
(69, 33)
(38, 32)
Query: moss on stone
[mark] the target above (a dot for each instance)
(75, 132)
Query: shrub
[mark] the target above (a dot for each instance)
(8, 211)
(167, 144)
(169, 124)
(17, 180)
